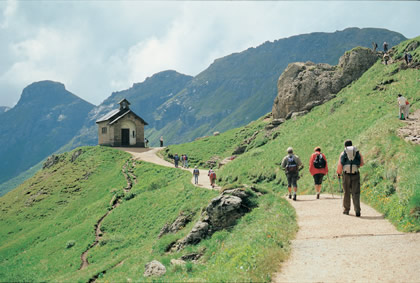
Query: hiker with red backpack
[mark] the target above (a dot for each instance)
(348, 167)
(291, 165)
(212, 176)
(318, 167)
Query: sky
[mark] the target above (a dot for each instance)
(98, 47)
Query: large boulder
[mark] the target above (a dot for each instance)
(303, 86)
(222, 212)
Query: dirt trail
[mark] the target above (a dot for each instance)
(149, 155)
(411, 131)
(332, 247)
(129, 176)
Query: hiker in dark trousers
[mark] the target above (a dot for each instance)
(318, 167)
(196, 173)
(385, 45)
(161, 141)
(386, 58)
(291, 165)
(348, 166)
(408, 58)
(176, 160)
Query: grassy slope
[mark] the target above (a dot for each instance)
(367, 116)
(61, 204)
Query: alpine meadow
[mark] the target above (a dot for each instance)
(97, 214)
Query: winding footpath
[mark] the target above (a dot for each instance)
(149, 155)
(332, 247)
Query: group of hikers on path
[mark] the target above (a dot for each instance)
(349, 162)
(183, 158)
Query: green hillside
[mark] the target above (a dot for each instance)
(48, 222)
(363, 112)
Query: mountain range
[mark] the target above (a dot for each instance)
(231, 92)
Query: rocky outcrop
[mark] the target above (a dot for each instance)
(76, 154)
(180, 222)
(222, 212)
(154, 268)
(303, 86)
(51, 161)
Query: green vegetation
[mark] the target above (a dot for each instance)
(49, 222)
(362, 112)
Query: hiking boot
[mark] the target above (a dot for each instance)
(294, 197)
(358, 214)
(290, 196)
(346, 212)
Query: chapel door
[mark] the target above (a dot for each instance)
(125, 137)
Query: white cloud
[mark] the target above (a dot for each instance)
(95, 48)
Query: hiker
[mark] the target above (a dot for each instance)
(386, 58)
(318, 168)
(182, 160)
(196, 173)
(291, 164)
(408, 58)
(385, 45)
(374, 46)
(161, 141)
(185, 161)
(146, 142)
(212, 176)
(348, 166)
(403, 106)
(176, 160)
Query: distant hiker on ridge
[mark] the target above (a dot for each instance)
(176, 160)
(408, 58)
(385, 45)
(403, 106)
(161, 141)
(291, 165)
(146, 142)
(318, 168)
(348, 166)
(196, 173)
(374, 46)
(386, 58)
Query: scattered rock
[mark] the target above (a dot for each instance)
(216, 133)
(180, 222)
(76, 154)
(298, 114)
(177, 262)
(277, 122)
(239, 150)
(154, 268)
(51, 161)
(193, 256)
(303, 86)
(212, 162)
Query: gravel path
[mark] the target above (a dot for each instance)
(411, 131)
(332, 247)
(149, 155)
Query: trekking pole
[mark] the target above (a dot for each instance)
(341, 188)
(331, 188)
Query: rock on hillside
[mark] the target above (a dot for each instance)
(303, 86)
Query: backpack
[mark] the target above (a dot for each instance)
(212, 175)
(291, 166)
(350, 159)
(196, 171)
(319, 161)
